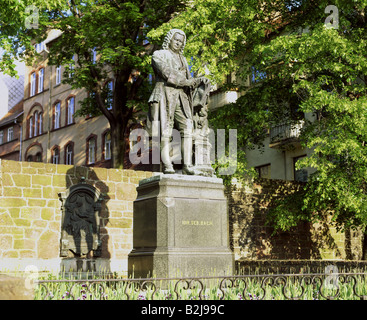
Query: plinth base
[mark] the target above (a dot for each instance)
(180, 228)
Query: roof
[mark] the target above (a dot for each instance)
(13, 114)
(15, 87)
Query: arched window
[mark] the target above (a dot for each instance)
(30, 131)
(36, 81)
(91, 149)
(39, 157)
(35, 121)
(107, 146)
(55, 153)
(69, 153)
(34, 152)
(41, 75)
(70, 109)
(40, 123)
(58, 75)
(56, 115)
(32, 90)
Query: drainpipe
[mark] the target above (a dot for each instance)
(20, 142)
(49, 111)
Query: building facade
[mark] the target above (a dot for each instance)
(11, 133)
(52, 133)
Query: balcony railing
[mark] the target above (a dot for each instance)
(285, 133)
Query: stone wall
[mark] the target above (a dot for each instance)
(252, 239)
(30, 212)
(30, 219)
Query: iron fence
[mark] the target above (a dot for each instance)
(311, 286)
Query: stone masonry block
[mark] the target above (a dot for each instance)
(32, 193)
(36, 203)
(47, 243)
(12, 192)
(98, 174)
(30, 213)
(6, 242)
(22, 180)
(11, 166)
(41, 180)
(6, 220)
(48, 214)
(59, 181)
(115, 175)
(7, 180)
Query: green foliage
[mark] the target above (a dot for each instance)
(301, 67)
(117, 30)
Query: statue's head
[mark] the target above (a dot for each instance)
(173, 38)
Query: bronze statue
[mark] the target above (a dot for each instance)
(171, 102)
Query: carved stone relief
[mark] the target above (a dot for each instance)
(81, 206)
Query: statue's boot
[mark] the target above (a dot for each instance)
(186, 150)
(166, 159)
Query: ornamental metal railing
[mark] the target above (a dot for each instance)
(286, 131)
(311, 286)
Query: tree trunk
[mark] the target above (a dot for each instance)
(119, 145)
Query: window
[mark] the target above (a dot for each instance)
(41, 74)
(69, 153)
(264, 172)
(56, 155)
(40, 123)
(107, 146)
(39, 157)
(257, 75)
(58, 75)
(10, 134)
(94, 55)
(1, 137)
(91, 150)
(29, 159)
(35, 123)
(71, 67)
(70, 111)
(109, 99)
(33, 84)
(40, 46)
(30, 135)
(57, 112)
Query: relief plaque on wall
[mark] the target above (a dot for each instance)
(80, 224)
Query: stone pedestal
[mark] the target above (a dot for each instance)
(180, 228)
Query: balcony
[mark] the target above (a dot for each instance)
(286, 135)
(218, 99)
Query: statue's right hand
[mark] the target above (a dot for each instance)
(193, 83)
(190, 82)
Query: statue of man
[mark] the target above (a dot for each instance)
(171, 102)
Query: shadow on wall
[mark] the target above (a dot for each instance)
(252, 238)
(84, 238)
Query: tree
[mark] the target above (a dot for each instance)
(310, 58)
(116, 30)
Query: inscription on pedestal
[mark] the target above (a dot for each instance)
(196, 223)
